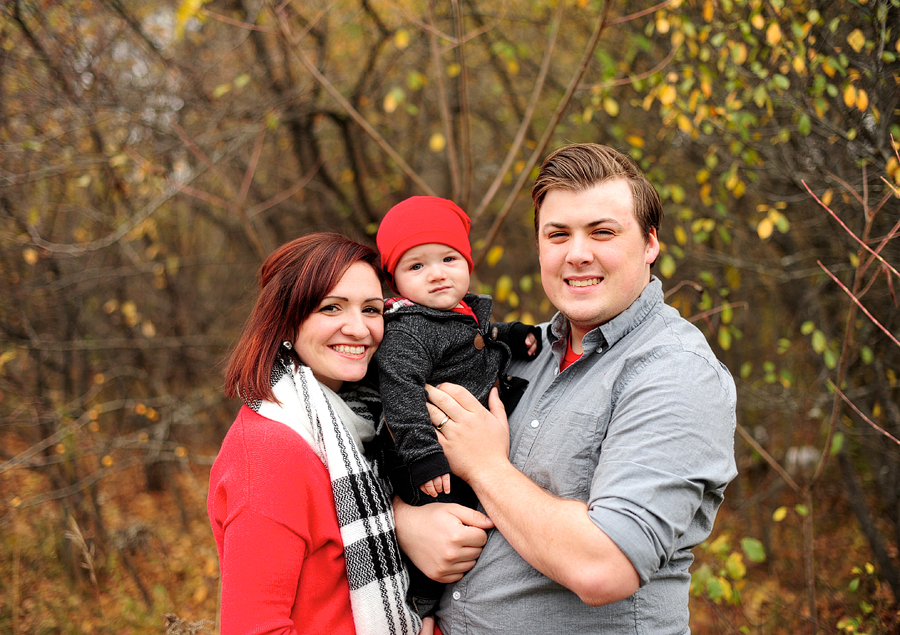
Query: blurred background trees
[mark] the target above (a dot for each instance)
(154, 152)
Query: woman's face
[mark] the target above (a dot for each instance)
(340, 336)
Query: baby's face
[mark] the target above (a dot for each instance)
(432, 275)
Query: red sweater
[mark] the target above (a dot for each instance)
(273, 517)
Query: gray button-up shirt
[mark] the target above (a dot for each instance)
(641, 428)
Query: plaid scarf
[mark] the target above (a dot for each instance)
(334, 428)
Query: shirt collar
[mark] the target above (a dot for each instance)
(608, 334)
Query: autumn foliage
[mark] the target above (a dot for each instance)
(154, 152)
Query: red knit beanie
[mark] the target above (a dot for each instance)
(421, 220)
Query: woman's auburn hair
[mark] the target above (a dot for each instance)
(293, 281)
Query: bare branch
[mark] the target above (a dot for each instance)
(541, 146)
(859, 412)
(859, 304)
(526, 118)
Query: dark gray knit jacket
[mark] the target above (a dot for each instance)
(424, 345)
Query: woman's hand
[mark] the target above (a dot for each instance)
(442, 539)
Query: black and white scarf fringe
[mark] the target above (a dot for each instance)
(334, 427)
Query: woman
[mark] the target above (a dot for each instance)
(304, 530)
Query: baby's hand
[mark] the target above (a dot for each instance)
(437, 484)
(531, 344)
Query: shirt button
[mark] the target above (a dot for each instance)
(456, 595)
(535, 423)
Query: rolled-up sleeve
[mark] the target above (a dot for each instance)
(666, 458)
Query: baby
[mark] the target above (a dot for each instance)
(436, 332)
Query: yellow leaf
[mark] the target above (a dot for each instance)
(437, 142)
(502, 288)
(708, 10)
(401, 39)
(764, 229)
(494, 255)
(799, 65)
(662, 24)
(680, 235)
(30, 255)
(827, 195)
(828, 68)
(684, 124)
(635, 141)
(390, 103)
(780, 514)
(611, 106)
(200, 594)
(732, 181)
(850, 95)
(773, 34)
(856, 40)
(107, 461)
(186, 10)
(862, 99)
(453, 70)
(220, 90)
(739, 53)
(758, 21)
(667, 95)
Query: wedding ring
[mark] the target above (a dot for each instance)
(443, 422)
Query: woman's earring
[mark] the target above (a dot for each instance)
(287, 345)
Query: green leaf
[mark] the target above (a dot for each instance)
(724, 337)
(754, 549)
(714, 589)
(802, 510)
(837, 442)
(667, 265)
(804, 126)
(830, 358)
(819, 343)
(854, 584)
(735, 566)
(807, 327)
(866, 354)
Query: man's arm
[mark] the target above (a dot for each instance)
(443, 540)
(554, 535)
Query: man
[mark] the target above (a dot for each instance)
(619, 452)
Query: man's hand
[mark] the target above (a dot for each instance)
(442, 539)
(436, 485)
(474, 439)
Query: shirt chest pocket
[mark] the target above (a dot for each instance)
(565, 452)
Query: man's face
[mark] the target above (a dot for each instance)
(594, 259)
